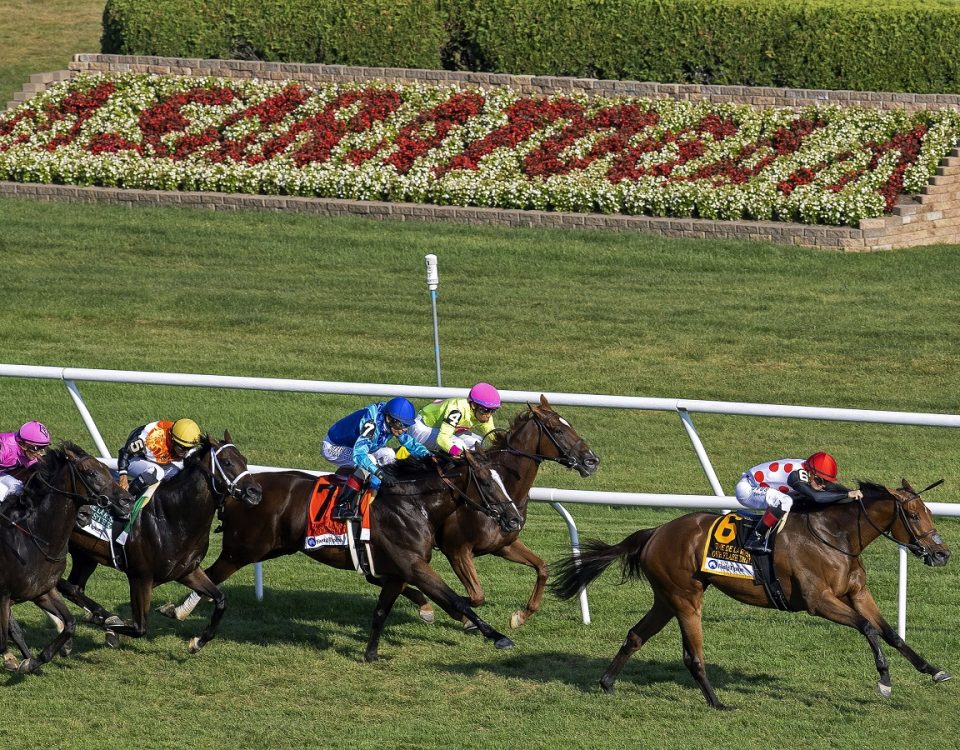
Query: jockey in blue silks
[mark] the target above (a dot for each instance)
(360, 439)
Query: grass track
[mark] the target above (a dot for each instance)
(260, 294)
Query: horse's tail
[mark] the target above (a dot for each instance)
(576, 572)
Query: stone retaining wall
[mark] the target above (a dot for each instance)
(932, 217)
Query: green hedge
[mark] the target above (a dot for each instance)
(897, 45)
(401, 33)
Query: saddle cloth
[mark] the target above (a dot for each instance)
(115, 532)
(324, 531)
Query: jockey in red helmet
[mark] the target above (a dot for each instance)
(773, 486)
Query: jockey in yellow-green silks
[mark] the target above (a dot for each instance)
(457, 424)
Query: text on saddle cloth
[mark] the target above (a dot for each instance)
(322, 529)
(722, 553)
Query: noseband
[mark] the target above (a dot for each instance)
(216, 471)
(566, 457)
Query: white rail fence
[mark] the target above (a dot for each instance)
(682, 407)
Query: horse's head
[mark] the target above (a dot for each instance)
(492, 497)
(911, 524)
(543, 434)
(73, 472)
(229, 475)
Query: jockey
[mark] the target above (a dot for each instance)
(457, 424)
(359, 441)
(20, 449)
(150, 451)
(774, 486)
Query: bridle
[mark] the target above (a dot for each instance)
(101, 500)
(486, 506)
(914, 545)
(218, 474)
(566, 456)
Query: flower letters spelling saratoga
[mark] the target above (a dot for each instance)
(474, 147)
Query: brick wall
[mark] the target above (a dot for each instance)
(930, 218)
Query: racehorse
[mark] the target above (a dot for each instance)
(536, 435)
(816, 557)
(168, 539)
(35, 530)
(414, 500)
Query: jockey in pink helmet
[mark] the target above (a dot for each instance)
(457, 424)
(20, 449)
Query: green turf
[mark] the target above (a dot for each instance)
(261, 294)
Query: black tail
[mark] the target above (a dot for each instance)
(574, 573)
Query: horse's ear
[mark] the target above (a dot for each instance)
(226, 436)
(471, 456)
(906, 485)
(543, 402)
(71, 452)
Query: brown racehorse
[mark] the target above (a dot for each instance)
(817, 558)
(168, 540)
(416, 497)
(536, 435)
(35, 528)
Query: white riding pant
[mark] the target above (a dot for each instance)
(760, 498)
(140, 466)
(342, 455)
(9, 486)
(427, 436)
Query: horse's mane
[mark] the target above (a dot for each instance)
(873, 490)
(198, 453)
(35, 486)
(500, 441)
(410, 469)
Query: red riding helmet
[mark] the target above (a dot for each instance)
(822, 465)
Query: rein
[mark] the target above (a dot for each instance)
(485, 507)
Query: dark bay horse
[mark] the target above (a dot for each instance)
(35, 530)
(817, 558)
(415, 499)
(536, 435)
(168, 540)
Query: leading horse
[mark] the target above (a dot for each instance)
(536, 435)
(415, 499)
(35, 530)
(168, 540)
(817, 559)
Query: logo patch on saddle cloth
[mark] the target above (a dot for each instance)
(322, 530)
(113, 531)
(722, 556)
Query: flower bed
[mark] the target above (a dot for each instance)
(492, 148)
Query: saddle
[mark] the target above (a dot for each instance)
(724, 555)
(100, 524)
(325, 531)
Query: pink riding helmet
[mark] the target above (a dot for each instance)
(485, 395)
(35, 433)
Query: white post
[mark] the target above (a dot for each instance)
(902, 595)
(433, 282)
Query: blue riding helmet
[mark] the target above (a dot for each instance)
(401, 410)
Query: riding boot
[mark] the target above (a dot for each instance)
(348, 502)
(139, 485)
(757, 541)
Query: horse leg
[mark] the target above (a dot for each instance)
(831, 608)
(651, 624)
(16, 635)
(518, 552)
(10, 662)
(197, 580)
(73, 588)
(51, 603)
(140, 592)
(427, 580)
(389, 592)
(864, 603)
(217, 573)
(415, 595)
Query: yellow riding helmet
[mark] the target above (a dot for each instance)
(185, 432)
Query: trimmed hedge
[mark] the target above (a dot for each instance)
(899, 45)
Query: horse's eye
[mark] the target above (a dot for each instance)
(914, 516)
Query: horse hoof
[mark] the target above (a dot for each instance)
(67, 648)
(517, 619)
(10, 662)
(470, 627)
(111, 639)
(195, 645)
(371, 657)
(426, 614)
(503, 642)
(168, 610)
(606, 685)
(885, 690)
(28, 666)
(113, 622)
(942, 676)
